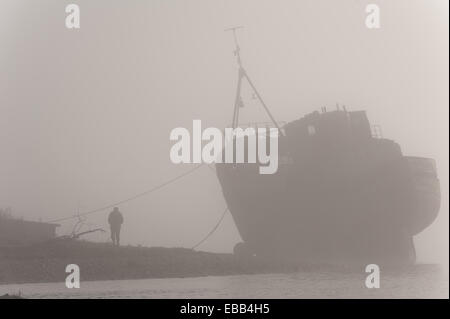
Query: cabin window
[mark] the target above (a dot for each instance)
(311, 130)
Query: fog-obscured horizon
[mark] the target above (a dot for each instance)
(85, 115)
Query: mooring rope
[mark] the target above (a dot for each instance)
(170, 181)
(212, 230)
(209, 234)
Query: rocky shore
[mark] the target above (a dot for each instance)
(99, 261)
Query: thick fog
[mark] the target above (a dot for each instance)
(85, 115)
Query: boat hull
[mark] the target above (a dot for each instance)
(351, 205)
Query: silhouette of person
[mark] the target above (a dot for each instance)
(115, 220)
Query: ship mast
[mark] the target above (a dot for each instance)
(243, 75)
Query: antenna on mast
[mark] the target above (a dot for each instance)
(238, 49)
(242, 74)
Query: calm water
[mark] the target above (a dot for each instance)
(423, 281)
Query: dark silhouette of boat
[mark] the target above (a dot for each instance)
(341, 193)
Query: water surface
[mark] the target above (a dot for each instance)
(422, 281)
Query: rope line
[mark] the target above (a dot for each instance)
(130, 198)
(210, 233)
(212, 230)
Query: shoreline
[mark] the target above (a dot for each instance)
(46, 263)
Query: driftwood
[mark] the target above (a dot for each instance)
(74, 235)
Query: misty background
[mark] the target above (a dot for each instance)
(85, 115)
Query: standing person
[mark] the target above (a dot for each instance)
(115, 220)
